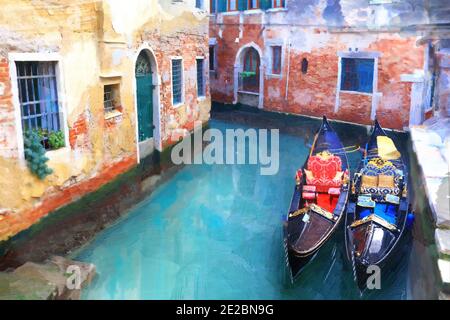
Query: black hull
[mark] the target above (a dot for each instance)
(303, 239)
(298, 263)
(389, 263)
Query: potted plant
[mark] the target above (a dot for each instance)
(35, 154)
(56, 140)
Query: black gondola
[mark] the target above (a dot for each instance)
(378, 208)
(319, 199)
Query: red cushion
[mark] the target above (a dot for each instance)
(309, 195)
(334, 191)
(308, 188)
(324, 170)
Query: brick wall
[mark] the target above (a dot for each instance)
(8, 148)
(314, 93)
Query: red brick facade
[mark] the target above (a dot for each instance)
(314, 93)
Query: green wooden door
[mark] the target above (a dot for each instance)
(144, 86)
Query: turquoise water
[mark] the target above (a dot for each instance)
(215, 232)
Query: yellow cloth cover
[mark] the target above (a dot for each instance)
(387, 149)
(386, 181)
(369, 181)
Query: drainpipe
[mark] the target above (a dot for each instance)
(288, 68)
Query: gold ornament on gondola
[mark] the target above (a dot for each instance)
(298, 212)
(405, 192)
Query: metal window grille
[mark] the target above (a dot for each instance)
(200, 79)
(38, 95)
(357, 75)
(177, 81)
(108, 98)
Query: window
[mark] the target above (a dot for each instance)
(212, 58)
(251, 60)
(304, 65)
(213, 6)
(278, 3)
(177, 81)
(199, 4)
(232, 5)
(111, 97)
(38, 98)
(200, 78)
(276, 59)
(357, 74)
(253, 4)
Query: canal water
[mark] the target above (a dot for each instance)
(215, 232)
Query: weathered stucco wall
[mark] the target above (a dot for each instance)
(96, 43)
(321, 31)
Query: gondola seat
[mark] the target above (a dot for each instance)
(324, 171)
(380, 177)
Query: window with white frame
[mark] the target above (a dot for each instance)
(111, 97)
(38, 98)
(177, 81)
(357, 74)
(200, 78)
(276, 52)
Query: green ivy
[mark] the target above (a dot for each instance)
(56, 140)
(35, 155)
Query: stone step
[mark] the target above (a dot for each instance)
(56, 279)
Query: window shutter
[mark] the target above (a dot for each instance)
(222, 5)
(242, 5)
(266, 4)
